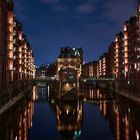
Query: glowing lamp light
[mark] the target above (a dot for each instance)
(77, 133)
(129, 108)
(67, 111)
(137, 135)
(16, 138)
(125, 28)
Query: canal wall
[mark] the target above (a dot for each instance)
(119, 87)
(12, 91)
(127, 90)
(102, 83)
(128, 95)
(14, 100)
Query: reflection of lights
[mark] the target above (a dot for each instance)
(85, 99)
(52, 101)
(67, 111)
(137, 135)
(31, 124)
(129, 110)
(48, 91)
(16, 138)
(123, 119)
(85, 80)
(77, 133)
(34, 93)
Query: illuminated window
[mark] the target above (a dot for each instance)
(125, 36)
(10, 66)
(125, 42)
(126, 68)
(125, 28)
(125, 49)
(126, 55)
(126, 61)
(10, 54)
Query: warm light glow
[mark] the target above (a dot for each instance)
(20, 55)
(16, 138)
(137, 135)
(20, 69)
(126, 55)
(126, 61)
(11, 38)
(10, 18)
(34, 93)
(20, 49)
(67, 111)
(20, 36)
(10, 54)
(125, 36)
(20, 61)
(139, 9)
(11, 29)
(125, 49)
(10, 66)
(125, 42)
(125, 28)
(10, 46)
(25, 46)
(126, 68)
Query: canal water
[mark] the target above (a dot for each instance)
(99, 115)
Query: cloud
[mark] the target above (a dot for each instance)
(119, 11)
(50, 1)
(85, 8)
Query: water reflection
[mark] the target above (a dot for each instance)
(69, 114)
(16, 122)
(99, 115)
(123, 115)
(125, 119)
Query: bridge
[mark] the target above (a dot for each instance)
(71, 94)
(41, 80)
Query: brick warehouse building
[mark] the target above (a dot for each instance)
(123, 59)
(90, 69)
(16, 56)
(130, 54)
(69, 67)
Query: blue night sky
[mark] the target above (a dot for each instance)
(52, 24)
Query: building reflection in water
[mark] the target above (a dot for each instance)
(125, 120)
(123, 115)
(42, 92)
(69, 116)
(16, 122)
